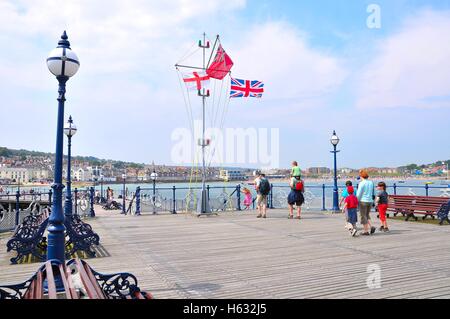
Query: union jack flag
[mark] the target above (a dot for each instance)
(246, 88)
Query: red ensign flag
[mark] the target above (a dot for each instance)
(221, 65)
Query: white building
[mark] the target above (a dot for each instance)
(82, 175)
(232, 175)
(15, 174)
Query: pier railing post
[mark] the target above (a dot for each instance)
(174, 198)
(238, 196)
(427, 188)
(207, 189)
(271, 196)
(50, 193)
(323, 198)
(395, 188)
(76, 200)
(138, 200)
(91, 201)
(17, 208)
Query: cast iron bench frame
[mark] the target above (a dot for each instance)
(91, 284)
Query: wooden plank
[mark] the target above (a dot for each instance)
(90, 289)
(93, 280)
(51, 285)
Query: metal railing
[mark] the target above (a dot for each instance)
(229, 198)
(14, 207)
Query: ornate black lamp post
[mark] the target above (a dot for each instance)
(154, 177)
(102, 200)
(124, 178)
(335, 141)
(70, 130)
(62, 63)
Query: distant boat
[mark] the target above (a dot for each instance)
(429, 183)
(401, 182)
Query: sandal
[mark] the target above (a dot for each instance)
(291, 217)
(298, 217)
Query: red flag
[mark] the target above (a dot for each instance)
(221, 65)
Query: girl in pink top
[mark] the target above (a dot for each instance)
(248, 197)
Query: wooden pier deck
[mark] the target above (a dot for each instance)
(235, 255)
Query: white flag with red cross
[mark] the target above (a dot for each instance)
(196, 80)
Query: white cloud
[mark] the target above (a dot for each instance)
(293, 71)
(412, 68)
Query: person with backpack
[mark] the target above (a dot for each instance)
(296, 197)
(262, 186)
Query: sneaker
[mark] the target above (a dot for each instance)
(264, 216)
(372, 230)
(381, 228)
(386, 230)
(259, 216)
(365, 234)
(353, 232)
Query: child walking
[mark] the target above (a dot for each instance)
(351, 205)
(381, 201)
(344, 195)
(248, 197)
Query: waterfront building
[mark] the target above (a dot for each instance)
(232, 175)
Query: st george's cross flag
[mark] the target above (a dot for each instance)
(246, 88)
(221, 65)
(196, 80)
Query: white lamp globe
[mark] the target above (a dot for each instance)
(154, 176)
(62, 61)
(334, 139)
(69, 128)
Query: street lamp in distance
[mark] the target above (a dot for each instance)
(335, 141)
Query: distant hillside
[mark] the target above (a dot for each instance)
(94, 161)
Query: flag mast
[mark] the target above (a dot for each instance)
(203, 206)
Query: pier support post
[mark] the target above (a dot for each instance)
(91, 201)
(138, 200)
(174, 198)
(323, 198)
(238, 197)
(17, 208)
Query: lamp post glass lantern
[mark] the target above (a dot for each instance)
(63, 63)
(69, 130)
(153, 177)
(124, 178)
(335, 141)
(101, 189)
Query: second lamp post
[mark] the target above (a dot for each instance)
(335, 141)
(124, 178)
(69, 129)
(153, 177)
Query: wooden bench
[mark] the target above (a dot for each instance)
(409, 206)
(74, 280)
(28, 238)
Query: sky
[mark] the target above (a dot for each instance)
(380, 78)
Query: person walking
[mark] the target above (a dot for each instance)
(248, 198)
(366, 196)
(351, 207)
(296, 197)
(262, 186)
(344, 195)
(381, 201)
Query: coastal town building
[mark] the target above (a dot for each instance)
(319, 170)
